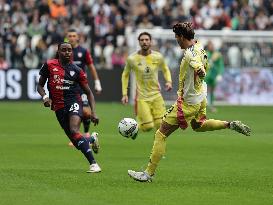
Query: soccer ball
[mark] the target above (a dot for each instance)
(128, 127)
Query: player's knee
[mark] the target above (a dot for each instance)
(196, 125)
(146, 126)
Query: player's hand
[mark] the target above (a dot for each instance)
(47, 102)
(97, 87)
(201, 73)
(168, 86)
(124, 99)
(94, 119)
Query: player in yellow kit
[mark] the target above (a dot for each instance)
(145, 64)
(190, 107)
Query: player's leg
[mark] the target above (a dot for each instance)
(168, 126)
(200, 124)
(158, 109)
(81, 142)
(144, 115)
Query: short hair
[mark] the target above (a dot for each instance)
(72, 30)
(184, 29)
(144, 33)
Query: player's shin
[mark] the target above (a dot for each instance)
(83, 145)
(158, 151)
(86, 125)
(210, 125)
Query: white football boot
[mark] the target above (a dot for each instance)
(140, 176)
(94, 168)
(238, 126)
(95, 144)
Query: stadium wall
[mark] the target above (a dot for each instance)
(18, 84)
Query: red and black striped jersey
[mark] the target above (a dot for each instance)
(81, 57)
(63, 83)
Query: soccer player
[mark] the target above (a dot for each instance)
(82, 58)
(215, 72)
(190, 107)
(145, 64)
(64, 82)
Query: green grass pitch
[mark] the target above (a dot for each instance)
(213, 168)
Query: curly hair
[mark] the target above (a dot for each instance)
(184, 29)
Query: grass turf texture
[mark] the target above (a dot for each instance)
(221, 167)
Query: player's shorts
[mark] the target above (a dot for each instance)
(148, 111)
(182, 114)
(63, 115)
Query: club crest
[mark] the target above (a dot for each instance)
(79, 54)
(72, 73)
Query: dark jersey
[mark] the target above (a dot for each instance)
(63, 83)
(81, 57)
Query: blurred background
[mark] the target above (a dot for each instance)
(242, 31)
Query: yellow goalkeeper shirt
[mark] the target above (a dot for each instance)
(146, 72)
(192, 88)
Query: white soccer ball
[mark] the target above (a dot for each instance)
(128, 127)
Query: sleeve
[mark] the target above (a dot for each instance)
(44, 71)
(125, 77)
(88, 58)
(195, 62)
(82, 78)
(165, 70)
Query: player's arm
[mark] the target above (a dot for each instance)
(95, 76)
(166, 74)
(124, 82)
(93, 71)
(85, 87)
(196, 63)
(41, 83)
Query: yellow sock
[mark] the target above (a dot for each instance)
(210, 125)
(157, 152)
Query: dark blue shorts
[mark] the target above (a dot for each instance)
(64, 114)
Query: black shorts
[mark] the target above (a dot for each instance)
(63, 115)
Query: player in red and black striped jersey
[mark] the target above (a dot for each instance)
(65, 81)
(83, 59)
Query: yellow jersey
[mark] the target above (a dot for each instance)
(192, 88)
(146, 72)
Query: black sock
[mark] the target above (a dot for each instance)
(86, 125)
(83, 145)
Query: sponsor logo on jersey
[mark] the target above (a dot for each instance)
(59, 87)
(55, 69)
(56, 79)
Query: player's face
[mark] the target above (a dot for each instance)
(72, 38)
(145, 42)
(65, 52)
(180, 41)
